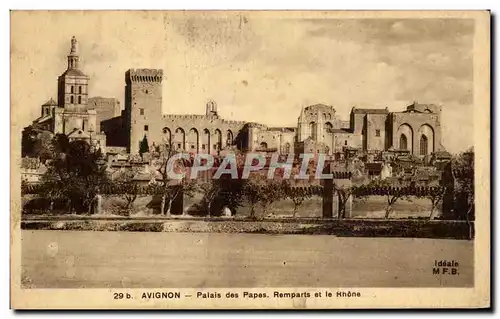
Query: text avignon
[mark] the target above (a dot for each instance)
(161, 295)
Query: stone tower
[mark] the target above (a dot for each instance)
(72, 93)
(301, 128)
(143, 107)
(73, 83)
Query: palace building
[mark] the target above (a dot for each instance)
(415, 131)
(101, 121)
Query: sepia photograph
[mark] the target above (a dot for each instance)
(250, 159)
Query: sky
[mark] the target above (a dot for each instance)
(257, 68)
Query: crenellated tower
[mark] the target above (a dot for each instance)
(143, 106)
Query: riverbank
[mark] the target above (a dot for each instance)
(414, 228)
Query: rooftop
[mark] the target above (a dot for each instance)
(73, 72)
(370, 111)
(50, 102)
(282, 129)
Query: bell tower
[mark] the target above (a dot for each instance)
(72, 94)
(73, 83)
(73, 57)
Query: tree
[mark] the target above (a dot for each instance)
(230, 192)
(74, 174)
(297, 195)
(392, 194)
(392, 198)
(53, 189)
(37, 143)
(253, 190)
(463, 176)
(344, 193)
(435, 195)
(125, 185)
(210, 190)
(257, 189)
(167, 187)
(143, 146)
(271, 192)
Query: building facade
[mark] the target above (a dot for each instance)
(414, 131)
(141, 125)
(143, 120)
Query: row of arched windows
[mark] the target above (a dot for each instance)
(408, 136)
(72, 99)
(424, 144)
(313, 129)
(192, 141)
(76, 99)
(80, 90)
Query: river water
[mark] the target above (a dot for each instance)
(78, 259)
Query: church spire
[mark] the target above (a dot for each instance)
(73, 55)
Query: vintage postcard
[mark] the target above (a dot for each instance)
(250, 159)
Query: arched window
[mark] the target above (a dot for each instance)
(217, 140)
(229, 140)
(72, 100)
(424, 145)
(80, 89)
(72, 89)
(79, 100)
(403, 142)
(263, 145)
(167, 135)
(312, 129)
(180, 138)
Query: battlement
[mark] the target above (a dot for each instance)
(256, 125)
(200, 117)
(144, 75)
(234, 122)
(188, 117)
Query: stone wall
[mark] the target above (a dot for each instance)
(376, 132)
(106, 108)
